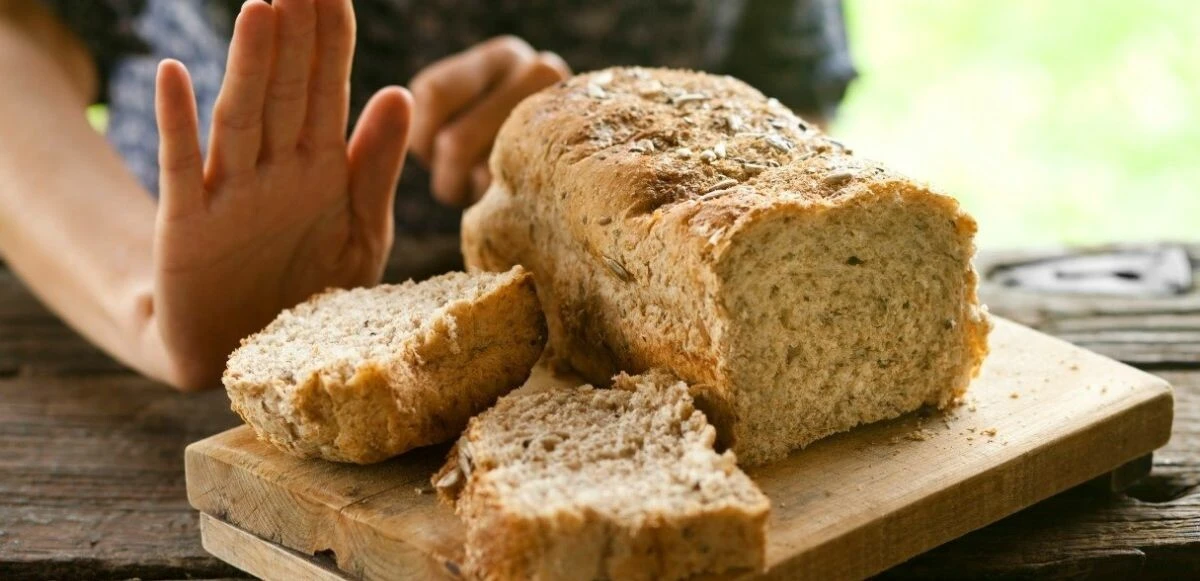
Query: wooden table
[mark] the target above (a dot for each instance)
(91, 471)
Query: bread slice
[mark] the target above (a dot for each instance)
(685, 221)
(362, 375)
(584, 483)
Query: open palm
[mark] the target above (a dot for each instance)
(283, 206)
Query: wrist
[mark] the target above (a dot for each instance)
(158, 360)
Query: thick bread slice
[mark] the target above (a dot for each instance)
(685, 221)
(583, 483)
(362, 375)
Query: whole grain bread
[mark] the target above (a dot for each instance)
(682, 220)
(582, 483)
(362, 375)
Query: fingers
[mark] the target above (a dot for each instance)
(238, 112)
(451, 84)
(465, 143)
(555, 62)
(376, 155)
(181, 171)
(481, 178)
(287, 91)
(330, 95)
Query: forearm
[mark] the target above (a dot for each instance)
(74, 223)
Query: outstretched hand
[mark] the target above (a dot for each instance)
(282, 206)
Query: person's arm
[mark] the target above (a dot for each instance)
(281, 207)
(74, 223)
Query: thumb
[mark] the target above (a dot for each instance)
(376, 155)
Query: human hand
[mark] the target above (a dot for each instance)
(460, 103)
(283, 206)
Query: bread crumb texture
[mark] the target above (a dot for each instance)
(584, 483)
(361, 375)
(685, 221)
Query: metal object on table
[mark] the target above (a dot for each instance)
(1157, 271)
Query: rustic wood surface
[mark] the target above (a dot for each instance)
(91, 458)
(1043, 416)
(263, 558)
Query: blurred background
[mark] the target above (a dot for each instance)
(1065, 121)
(1054, 122)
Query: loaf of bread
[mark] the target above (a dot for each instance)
(681, 220)
(362, 375)
(582, 483)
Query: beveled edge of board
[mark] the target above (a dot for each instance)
(1141, 423)
(313, 506)
(260, 557)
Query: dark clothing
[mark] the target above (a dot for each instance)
(794, 50)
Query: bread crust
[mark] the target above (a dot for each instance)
(585, 540)
(625, 190)
(470, 353)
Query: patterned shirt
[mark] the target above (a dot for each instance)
(794, 50)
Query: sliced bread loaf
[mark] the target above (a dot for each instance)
(685, 221)
(583, 483)
(362, 375)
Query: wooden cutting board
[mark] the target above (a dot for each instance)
(1042, 417)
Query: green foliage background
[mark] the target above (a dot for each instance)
(1054, 121)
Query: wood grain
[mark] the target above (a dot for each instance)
(91, 479)
(120, 511)
(1160, 332)
(1044, 416)
(381, 521)
(1150, 532)
(261, 558)
(33, 342)
(91, 455)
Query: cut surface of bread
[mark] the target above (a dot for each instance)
(586, 483)
(362, 375)
(685, 221)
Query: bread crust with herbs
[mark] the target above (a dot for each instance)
(419, 388)
(583, 483)
(649, 203)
